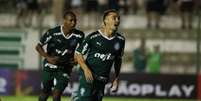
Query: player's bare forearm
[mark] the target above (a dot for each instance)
(80, 59)
(50, 59)
(117, 67)
(84, 67)
(41, 51)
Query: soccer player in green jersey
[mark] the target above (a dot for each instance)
(61, 42)
(104, 49)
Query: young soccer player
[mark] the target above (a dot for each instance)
(61, 43)
(104, 49)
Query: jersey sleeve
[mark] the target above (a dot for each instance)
(122, 44)
(45, 38)
(84, 46)
(82, 38)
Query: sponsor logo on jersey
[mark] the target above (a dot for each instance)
(58, 51)
(63, 52)
(104, 57)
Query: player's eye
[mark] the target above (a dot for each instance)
(118, 18)
(72, 20)
(114, 17)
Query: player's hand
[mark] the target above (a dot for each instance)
(52, 60)
(115, 85)
(88, 75)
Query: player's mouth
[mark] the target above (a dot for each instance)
(116, 25)
(72, 26)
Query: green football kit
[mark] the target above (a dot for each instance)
(57, 75)
(101, 53)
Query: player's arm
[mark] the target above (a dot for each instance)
(41, 51)
(117, 68)
(80, 51)
(79, 43)
(87, 72)
(39, 48)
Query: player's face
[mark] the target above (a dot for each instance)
(112, 21)
(70, 21)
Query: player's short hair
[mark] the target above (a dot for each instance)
(108, 12)
(66, 13)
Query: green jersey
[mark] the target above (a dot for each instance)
(101, 51)
(60, 45)
(154, 62)
(139, 60)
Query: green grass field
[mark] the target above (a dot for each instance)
(34, 98)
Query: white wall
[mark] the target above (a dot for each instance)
(31, 57)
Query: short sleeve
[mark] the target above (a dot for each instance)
(82, 38)
(45, 38)
(84, 46)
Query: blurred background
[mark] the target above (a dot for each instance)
(162, 36)
(162, 23)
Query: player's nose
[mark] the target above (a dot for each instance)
(117, 21)
(73, 22)
(117, 18)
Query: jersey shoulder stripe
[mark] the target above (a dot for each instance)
(120, 36)
(54, 30)
(78, 33)
(94, 35)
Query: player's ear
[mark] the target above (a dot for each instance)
(103, 22)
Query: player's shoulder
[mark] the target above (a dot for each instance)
(78, 33)
(94, 35)
(55, 29)
(120, 35)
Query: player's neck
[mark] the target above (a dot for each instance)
(66, 30)
(107, 32)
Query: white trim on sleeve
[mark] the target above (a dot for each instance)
(77, 52)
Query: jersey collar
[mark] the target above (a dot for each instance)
(67, 37)
(106, 36)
